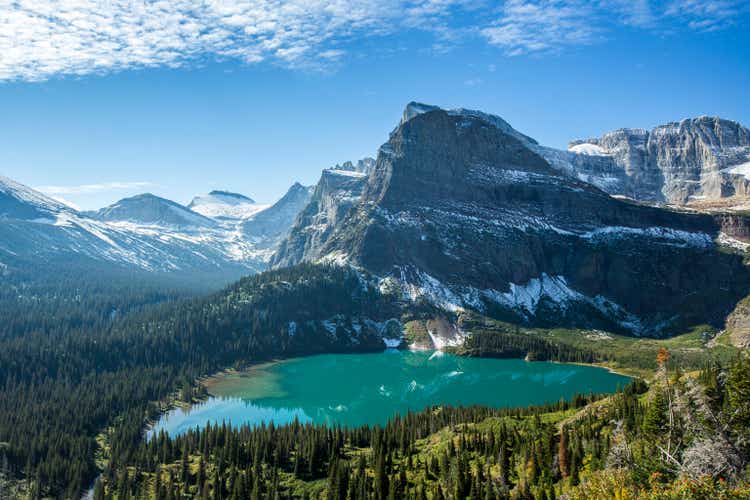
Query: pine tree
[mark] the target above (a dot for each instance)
(562, 453)
(655, 417)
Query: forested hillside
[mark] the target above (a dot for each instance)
(84, 372)
(687, 437)
(77, 373)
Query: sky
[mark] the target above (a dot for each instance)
(103, 99)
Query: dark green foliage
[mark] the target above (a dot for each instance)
(64, 379)
(260, 455)
(656, 414)
(503, 344)
(738, 395)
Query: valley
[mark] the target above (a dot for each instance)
(469, 314)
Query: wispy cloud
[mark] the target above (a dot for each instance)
(40, 39)
(542, 26)
(43, 38)
(708, 15)
(56, 191)
(639, 13)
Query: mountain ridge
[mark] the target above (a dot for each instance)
(453, 190)
(143, 233)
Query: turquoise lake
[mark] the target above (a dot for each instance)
(357, 389)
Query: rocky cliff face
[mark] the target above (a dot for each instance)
(695, 159)
(338, 190)
(462, 211)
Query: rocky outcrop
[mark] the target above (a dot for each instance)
(738, 324)
(363, 166)
(695, 159)
(462, 211)
(338, 190)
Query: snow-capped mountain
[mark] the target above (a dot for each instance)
(270, 225)
(694, 160)
(144, 232)
(225, 205)
(23, 203)
(464, 212)
(150, 209)
(697, 159)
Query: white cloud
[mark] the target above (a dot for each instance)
(43, 38)
(91, 188)
(473, 82)
(40, 39)
(543, 26)
(639, 13)
(707, 15)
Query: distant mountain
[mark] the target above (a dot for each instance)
(19, 202)
(275, 221)
(697, 159)
(150, 209)
(363, 166)
(464, 212)
(144, 233)
(225, 205)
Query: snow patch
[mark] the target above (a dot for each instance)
(346, 173)
(392, 343)
(441, 343)
(527, 297)
(726, 240)
(666, 235)
(225, 205)
(741, 169)
(588, 149)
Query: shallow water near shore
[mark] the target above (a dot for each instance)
(358, 389)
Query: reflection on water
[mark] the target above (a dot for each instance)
(357, 389)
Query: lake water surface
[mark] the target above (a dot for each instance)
(356, 389)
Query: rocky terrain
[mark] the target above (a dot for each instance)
(463, 212)
(697, 159)
(338, 190)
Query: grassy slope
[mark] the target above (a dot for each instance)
(629, 355)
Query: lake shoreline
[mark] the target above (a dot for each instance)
(428, 387)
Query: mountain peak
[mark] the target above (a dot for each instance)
(222, 204)
(230, 194)
(18, 201)
(414, 109)
(150, 209)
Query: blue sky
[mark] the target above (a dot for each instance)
(105, 99)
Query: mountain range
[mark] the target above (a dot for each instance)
(637, 231)
(462, 211)
(205, 243)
